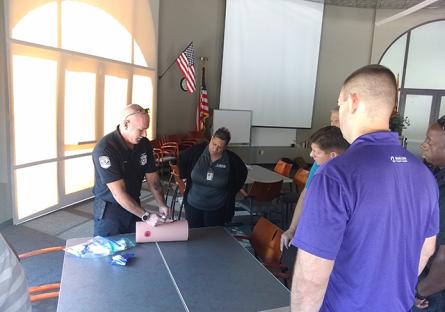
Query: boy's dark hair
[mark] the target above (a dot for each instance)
(223, 133)
(329, 138)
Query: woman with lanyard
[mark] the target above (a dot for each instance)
(214, 175)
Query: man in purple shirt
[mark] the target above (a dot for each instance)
(371, 215)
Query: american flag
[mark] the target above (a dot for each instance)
(202, 111)
(186, 63)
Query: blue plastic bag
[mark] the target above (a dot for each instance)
(100, 247)
(122, 259)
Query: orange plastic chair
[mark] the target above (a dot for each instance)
(262, 192)
(46, 291)
(300, 178)
(291, 198)
(283, 168)
(265, 241)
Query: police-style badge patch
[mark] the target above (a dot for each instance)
(143, 159)
(104, 162)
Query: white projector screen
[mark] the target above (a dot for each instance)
(272, 136)
(270, 60)
(237, 121)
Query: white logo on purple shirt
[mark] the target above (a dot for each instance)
(399, 159)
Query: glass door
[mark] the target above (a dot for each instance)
(79, 129)
(418, 111)
(34, 130)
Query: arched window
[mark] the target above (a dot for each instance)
(417, 58)
(73, 66)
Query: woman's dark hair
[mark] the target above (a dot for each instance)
(329, 138)
(223, 133)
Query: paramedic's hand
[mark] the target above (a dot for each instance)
(286, 238)
(165, 211)
(155, 219)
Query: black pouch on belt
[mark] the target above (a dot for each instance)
(99, 208)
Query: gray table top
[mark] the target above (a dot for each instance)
(261, 174)
(210, 272)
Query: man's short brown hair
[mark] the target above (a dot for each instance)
(376, 84)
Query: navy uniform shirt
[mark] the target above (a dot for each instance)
(114, 160)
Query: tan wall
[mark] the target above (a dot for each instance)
(345, 46)
(181, 22)
(349, 40)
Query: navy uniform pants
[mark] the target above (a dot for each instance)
(111, 219)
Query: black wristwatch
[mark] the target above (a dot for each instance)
(145, 216)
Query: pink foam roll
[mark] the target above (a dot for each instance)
(167, 232)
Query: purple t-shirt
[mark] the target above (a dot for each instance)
(370, 210)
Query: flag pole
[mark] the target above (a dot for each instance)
(174, 61)
(202, 126)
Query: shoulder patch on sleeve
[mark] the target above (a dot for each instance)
(143, 159)
(104, 162)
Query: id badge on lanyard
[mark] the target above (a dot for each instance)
(210, 174)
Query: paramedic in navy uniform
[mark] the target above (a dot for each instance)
(121, 160)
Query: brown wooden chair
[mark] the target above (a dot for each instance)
(262, 192)
(169, 153)
(185, 144)
(283, 168)
(174, 138)
(171, 179)
(157, 154)
(180, 189)
(45, 291)
(155, 143)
